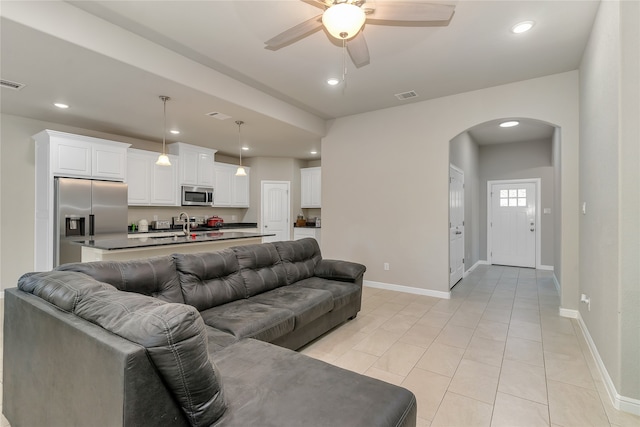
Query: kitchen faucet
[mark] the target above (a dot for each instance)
(186, 226)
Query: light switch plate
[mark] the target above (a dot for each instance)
(547, 211)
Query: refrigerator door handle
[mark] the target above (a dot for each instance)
(92, 220)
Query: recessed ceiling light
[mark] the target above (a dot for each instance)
(61, 105)
(314, 152)
(522, 27)
(509, 124)
(245, 148)
(333, 81)
(175, 131)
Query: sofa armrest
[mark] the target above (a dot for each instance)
(340, 270)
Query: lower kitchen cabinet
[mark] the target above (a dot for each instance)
(150, 184)
(304, 232)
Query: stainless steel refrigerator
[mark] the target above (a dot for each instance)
(86, 210)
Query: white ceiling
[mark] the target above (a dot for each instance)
(111, 73)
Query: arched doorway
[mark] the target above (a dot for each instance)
(487, 152)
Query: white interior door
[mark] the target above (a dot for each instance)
(456, 225)
(513, 224)
(275, 210)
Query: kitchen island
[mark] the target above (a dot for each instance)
(145, 247)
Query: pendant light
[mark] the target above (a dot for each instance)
(240, 171)
(163, 159)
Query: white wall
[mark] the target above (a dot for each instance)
(379, 164)
(610, 187)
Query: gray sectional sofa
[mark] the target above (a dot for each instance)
(190, 339)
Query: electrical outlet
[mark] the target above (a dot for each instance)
(386, 266)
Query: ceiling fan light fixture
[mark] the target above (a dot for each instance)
(343, 20)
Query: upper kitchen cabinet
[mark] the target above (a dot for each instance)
(311, 187)
(80, 156)
(150, 184)
(231, 191)
(196, 164)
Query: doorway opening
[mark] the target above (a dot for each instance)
(456, 225)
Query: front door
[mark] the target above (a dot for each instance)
(513, 224)
(456, 225)
(275, 210)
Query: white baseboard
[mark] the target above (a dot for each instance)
(621, 403)
(407, 289)
(571, 314)
(545, 267)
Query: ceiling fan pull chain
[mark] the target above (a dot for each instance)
(344, 65)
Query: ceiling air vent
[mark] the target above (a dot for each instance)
(11, 85)
(218, 116)
(406, 95)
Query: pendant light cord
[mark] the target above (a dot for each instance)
(240, 123)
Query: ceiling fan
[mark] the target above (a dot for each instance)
(344, 19)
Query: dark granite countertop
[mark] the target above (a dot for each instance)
(144, 242)
(222, 227)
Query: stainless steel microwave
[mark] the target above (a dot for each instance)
(197, 196)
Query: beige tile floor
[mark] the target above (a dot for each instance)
(496, 354)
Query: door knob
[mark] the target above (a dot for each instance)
(532, 229)
(460, 232)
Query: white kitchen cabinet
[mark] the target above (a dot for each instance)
(138, 178)
(196, 164)
(78, 156)
(231, 190)
(304, 232)
(224, 181)
(61, 154)
(150, 184)
(311, 179)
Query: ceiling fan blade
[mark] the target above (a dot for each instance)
(294, 33)
(358, 50)
(320, 3)
(410, 11)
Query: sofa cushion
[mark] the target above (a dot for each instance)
(176, 341)
(248, 319)
(155, 277)
(61, 288)
(269, 386)
(306, 304)
(299, 258)
(210, 279)
(344, 293)
(261, 267)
